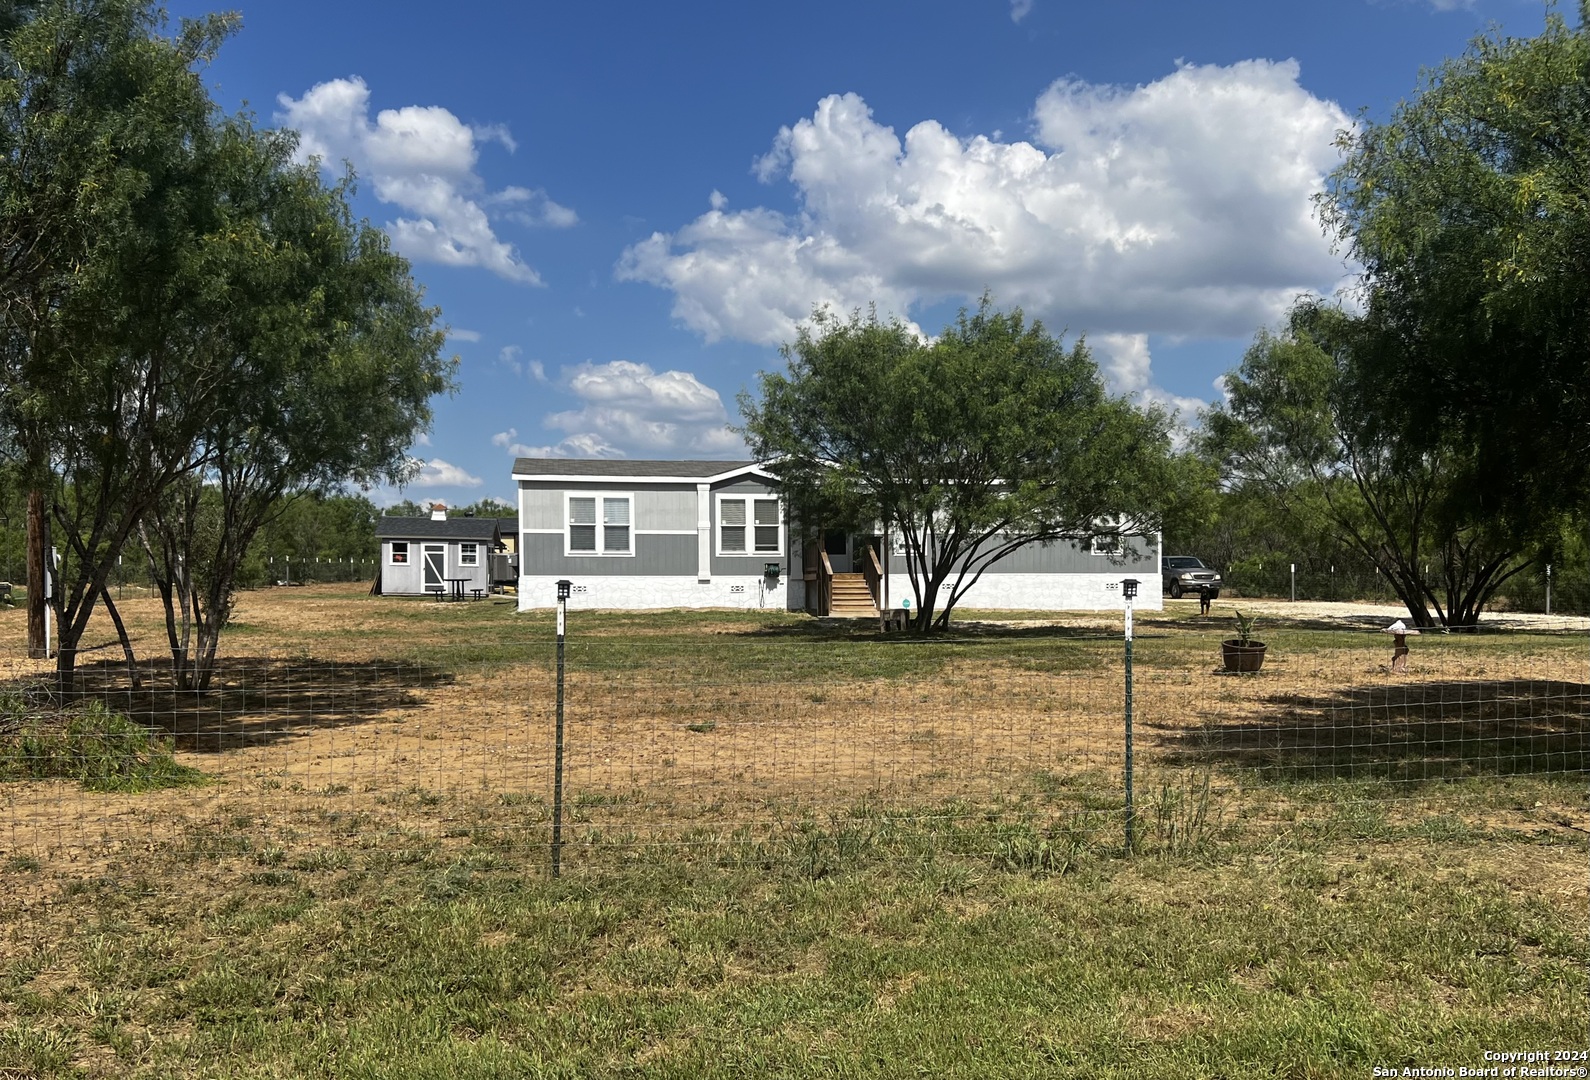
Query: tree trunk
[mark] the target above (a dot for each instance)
(38, 530)
(66, 650)
(203, 665)
(126, 642)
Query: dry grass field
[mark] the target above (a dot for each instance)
(331, 705)
(355, 743)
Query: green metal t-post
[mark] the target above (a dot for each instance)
(1128, 593)
(557, 753)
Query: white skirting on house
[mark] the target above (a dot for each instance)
(639, 592)
(1044, 592)
(1008, 592)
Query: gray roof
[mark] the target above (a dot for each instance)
(423, 528)
(623, 467)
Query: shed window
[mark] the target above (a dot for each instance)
(468, 554)
(614, 525)
(400, 552)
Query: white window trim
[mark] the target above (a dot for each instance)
(391, 553)
(750, 526)
(1113, 551)
(569, 552)
(473, 558)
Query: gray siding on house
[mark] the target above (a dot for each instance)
(671, 508)
(1069, 557)
(542, 554)
(733, 565)
(657, 506)
(750, 484)
(541, 508)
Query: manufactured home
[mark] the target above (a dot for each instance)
(697, 534)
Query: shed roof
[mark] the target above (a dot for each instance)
(423, 528)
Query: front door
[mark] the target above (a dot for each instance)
(435, 566)
(836, 543)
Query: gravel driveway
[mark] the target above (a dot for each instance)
(1364, 613)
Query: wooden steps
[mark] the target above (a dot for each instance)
(851, 600)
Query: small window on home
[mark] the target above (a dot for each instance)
(765, 534)
(468, 554)
(614, 525)
(749, 526)
(400, 552)
(582, 524)
(731, 524)
(1107, 544)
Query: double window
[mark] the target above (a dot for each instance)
(750, 525)
(600, 525)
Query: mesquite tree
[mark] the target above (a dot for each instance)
(334, 360)
(990, 438)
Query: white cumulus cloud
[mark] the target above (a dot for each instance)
(421, 159)
(1183, 207)
(629, 409)
(1127, 367)
(438, 473)
(584, 445)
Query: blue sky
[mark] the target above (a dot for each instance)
(621, 209)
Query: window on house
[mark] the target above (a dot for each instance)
(600, 525)
(468, 554)
(1107, 544)
(749, 526)
(400, 552)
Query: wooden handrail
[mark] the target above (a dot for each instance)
(873, 572)
(825, 586)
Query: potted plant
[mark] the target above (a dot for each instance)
(1242, 653)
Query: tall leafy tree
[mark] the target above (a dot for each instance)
(331, 360)
(990, 438)
(1308, 421)
(1470, 211)
(105, 166)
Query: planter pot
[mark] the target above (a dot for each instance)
(1240, 657)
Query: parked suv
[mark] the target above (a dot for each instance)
(1185, 574)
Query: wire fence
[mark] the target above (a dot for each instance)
(1566, 592)
(1009, 737)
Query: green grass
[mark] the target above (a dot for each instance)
(841, 947)
(90, 744)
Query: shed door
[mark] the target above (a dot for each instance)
(435, 562)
